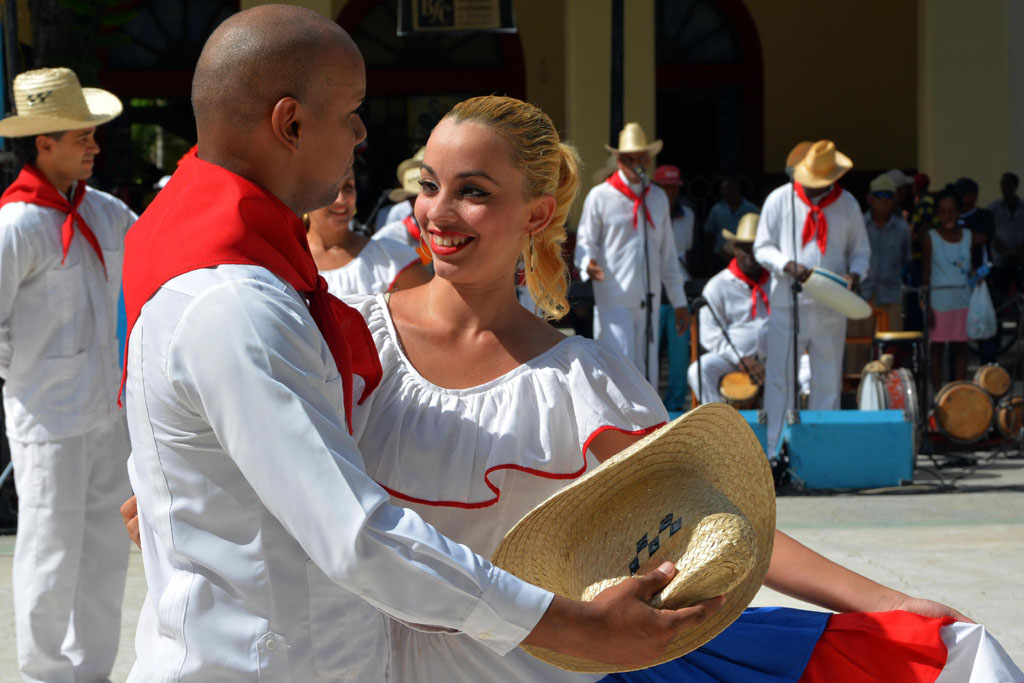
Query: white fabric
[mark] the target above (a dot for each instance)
(255, 508)
(728, 298)
(974, 656)
(58, 323)
(397, 231)
(373, 270)
(848, 249)
(682, 233)
(444, 445)
(398, 211)
(71, 554)
(822, 336)
(606, 235)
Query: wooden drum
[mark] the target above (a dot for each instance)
(739, 390)
(963, 411)
(1010, 417)
(993, 379)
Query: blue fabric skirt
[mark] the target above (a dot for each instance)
(764, 645)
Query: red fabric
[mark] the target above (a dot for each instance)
(615, 180)
(756, 288)
(512, 466)
(816, 225)
(207, 216)
(414, 231)
(871, 647)
(32, 187)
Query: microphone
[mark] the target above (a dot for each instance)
(698, 301)
(639, 170)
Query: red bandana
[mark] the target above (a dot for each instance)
(207, 216)
(615, 180)
(756, 288)
(31, 186)
(816, 225)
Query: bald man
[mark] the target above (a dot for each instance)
(259, 526)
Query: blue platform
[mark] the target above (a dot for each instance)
(850, 449)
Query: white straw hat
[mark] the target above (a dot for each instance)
(52, 100)
(821, 165)
(632, 140)
(746, 229)
(408, 177)
(698, 492)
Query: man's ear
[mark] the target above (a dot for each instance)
(541, 212)
(286, 122)
(44, 146)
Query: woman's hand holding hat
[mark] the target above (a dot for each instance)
(619, 626)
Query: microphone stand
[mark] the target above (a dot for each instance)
(648, 294)
(794, 416)
(696, 304)
(371, 220)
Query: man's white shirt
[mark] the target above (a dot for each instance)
(729, 298)
(606, 235)
(848, 249)
(256, 510)
(58, 342)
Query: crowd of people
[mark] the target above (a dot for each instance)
(318, 480)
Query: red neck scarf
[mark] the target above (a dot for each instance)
(207, 216)
(816, 225)
(615, 180)
(32, 187)
(756, 288)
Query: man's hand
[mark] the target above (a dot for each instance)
(797, 270)
(594, 271)
(130, 516)
(852, 281)
(753, 368)
(682, 320)
(618, 626)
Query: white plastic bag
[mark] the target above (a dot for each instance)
(981, 315)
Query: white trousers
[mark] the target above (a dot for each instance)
(71, 554)
(622, 330)
(713, 367)
(822, 336)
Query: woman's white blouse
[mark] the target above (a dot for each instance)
(474, 461)
(373, 271)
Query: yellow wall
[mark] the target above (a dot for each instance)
(542, 35)
(844, 70)
(965, 92)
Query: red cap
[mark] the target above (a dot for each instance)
(921, 181)
(668, 175)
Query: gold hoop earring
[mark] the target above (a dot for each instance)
(533, 256)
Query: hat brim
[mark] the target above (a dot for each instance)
(808, 178)
(733, 237)
(653, 149)
(103, 106)
(712, 444)
(797, 154)
(400, 194)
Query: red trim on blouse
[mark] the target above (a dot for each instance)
(528, 470)
(414, 262)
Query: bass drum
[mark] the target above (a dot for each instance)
(963, 412)
(739, 390)
(871, 392)
(1010, 417)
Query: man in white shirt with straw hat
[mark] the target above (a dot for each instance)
(624, 243)
(831, 235)
(61, 249)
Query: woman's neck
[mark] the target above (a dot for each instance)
(335, 249)
(488, 306)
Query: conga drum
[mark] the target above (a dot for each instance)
(993, 379)
(894, 390)
(906, 348)
(963, 412)
(739, 390)
(1010, 417)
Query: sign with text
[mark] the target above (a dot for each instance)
(428, 16)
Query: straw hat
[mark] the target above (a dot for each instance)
(822, 165)
(633, 140)
(697, 492)
(746, 230)
(797, 154)
(52, 100)
(408, 177)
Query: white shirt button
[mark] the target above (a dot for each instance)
(485, 636)
(271, 644)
